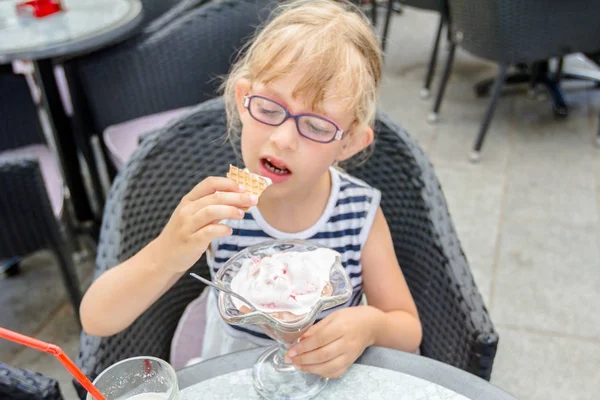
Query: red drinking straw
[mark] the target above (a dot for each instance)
(56, 352)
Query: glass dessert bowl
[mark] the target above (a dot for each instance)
(289, 282)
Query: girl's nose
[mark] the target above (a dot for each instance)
(285, 136)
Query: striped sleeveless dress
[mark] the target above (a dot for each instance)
(344, 226)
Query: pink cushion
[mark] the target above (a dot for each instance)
(50, 172)
(189, 336)
(122, 139)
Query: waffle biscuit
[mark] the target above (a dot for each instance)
(253, 183)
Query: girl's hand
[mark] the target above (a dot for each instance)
(195, 221)
(331, 346)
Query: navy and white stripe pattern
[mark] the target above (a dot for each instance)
(344, 227)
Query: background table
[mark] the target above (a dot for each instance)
(86, 25)
(413, 377)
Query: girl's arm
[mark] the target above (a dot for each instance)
(396, 321)
(124, 292)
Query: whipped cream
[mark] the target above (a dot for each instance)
(285, 281)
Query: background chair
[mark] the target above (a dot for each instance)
(457, 328)
(155, 9)
(34, 211)
(133, 88)
(21, 384)
(519, 33)
(433, 5)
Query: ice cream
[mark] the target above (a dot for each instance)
(285, 282)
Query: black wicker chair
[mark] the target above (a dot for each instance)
(457, 328)
(21, 384)
(175, 62)
(433, 5)
(158, 15)
(154, 9)
(29, 179)
(520, 33)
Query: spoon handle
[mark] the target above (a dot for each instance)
(223, 289)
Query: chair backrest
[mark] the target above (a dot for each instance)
(179, 8)
(154, 9)
(524, 31)
(28, 222)
(171, 161)
(19, 123)
(429, 251)
(176, 66)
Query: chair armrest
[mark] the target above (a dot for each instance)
(20, 384)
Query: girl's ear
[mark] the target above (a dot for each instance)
(355, 142)
(242, 87)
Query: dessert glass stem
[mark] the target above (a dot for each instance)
(279, 359)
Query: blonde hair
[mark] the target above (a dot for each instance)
(331, 40)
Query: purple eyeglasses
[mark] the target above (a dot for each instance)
(311, 126)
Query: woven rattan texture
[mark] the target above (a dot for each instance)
(457, 329)
(176, 66)
(524, 31)
(28, 223)
(19, 124)
(20, 384)
(154, 9)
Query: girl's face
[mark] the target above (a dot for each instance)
(294, 163)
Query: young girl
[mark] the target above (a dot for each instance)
(304, 95)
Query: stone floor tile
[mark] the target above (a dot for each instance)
(548, 277)
(476, 196)
(538, 366)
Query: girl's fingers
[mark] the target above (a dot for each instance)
(210, 232)
(211, 185)
(212, 214)
(316, 339)
(240, 200)
(322, 324)
(320, 355)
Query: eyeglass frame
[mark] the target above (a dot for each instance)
(339, 133)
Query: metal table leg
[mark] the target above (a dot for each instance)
(65, 142)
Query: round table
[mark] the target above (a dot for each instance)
(378, 374)
(84, 26)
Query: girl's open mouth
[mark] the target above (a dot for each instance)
(274, 169)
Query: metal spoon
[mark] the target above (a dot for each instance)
(223, 289)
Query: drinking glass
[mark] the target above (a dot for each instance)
(138, 378)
